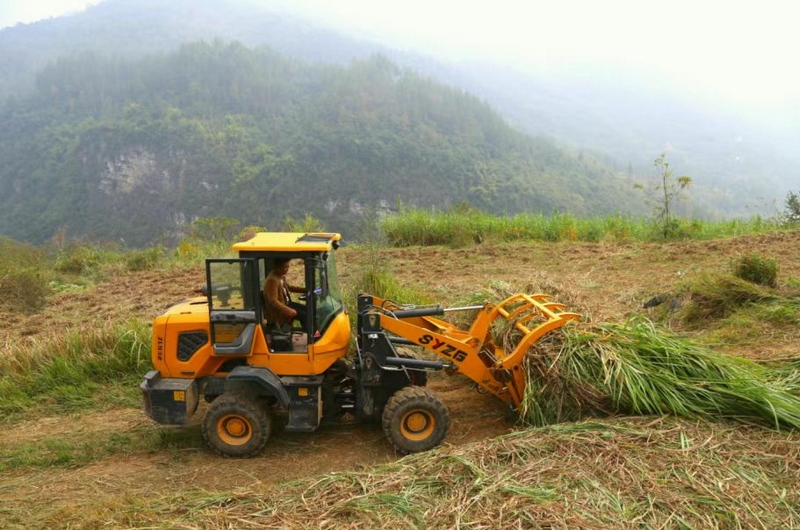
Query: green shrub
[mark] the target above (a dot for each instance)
(756, 269)
(309, 224)
(142, 260)
(23, 290)
(791, 213)
(78, 259)
(249, 231)
(24, 277)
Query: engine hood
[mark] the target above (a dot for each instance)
(189, 306)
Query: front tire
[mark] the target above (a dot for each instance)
(236, 425)
(415, 420)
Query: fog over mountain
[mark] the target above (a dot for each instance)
(707, 84)
(612, 94)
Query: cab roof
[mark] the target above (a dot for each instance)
(289, 242)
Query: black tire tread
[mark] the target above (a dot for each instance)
(247, 406)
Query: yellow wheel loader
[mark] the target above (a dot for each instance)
(222, 348)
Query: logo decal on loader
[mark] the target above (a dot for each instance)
(448, 350)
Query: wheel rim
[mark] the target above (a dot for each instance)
(417, 425)
(234, 429)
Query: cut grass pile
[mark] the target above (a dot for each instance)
(638, 368)
(717, 296)
(623, 473)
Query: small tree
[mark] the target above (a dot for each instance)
(668, 190)
(792, 210)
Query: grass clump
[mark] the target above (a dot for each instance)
(24, 283)
(756, 269)
(144, 259)
(82, 259)
(733, 309)
(637, 368)
(717, 296)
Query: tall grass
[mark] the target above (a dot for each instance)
(23, 280)
(459, 228)
(373, 275)
(74, 370)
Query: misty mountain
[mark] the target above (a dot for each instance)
(741, 161)
(738, 166)
(134, 28)
(137, 149)
(734, 158)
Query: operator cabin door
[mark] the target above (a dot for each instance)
(234, 311)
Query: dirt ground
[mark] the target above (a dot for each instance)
(604, 282)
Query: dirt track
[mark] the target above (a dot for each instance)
(603, 281)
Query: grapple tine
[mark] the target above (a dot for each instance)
(550, 316)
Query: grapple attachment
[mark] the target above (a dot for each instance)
(508, 330)
(532, 316)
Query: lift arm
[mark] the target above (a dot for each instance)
(475, 353)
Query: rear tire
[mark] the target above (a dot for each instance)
(237, 425)
(415, 420)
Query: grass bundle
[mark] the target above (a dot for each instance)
(637, 368)
(719, 296)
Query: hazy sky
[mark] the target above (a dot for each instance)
(15, 11)
(744, 49)
(739, 50)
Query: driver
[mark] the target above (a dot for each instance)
(281, 309)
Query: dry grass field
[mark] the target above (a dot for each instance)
(634, 472)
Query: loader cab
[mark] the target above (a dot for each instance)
(237, 309)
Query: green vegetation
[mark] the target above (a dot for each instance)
(461, 227)
(791, 212)
(23, 281)
(756, 269)
(638, 368)
(718, 296)
(667, 193)
(94, 367)
(137, 150)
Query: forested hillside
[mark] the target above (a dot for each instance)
(738, 167)
(133, 28)
(135, 149)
